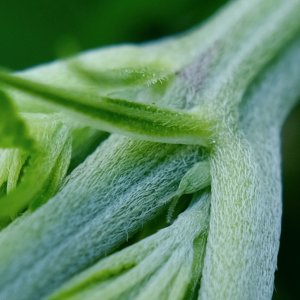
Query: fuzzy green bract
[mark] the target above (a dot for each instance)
(151, 171)
(13, 131)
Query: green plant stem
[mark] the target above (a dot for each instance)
(233, 83)
(83, 220)
(166, 256)
(246, 203)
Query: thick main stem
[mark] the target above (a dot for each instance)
(245, 219)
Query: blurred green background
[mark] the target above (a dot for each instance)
(38, 31)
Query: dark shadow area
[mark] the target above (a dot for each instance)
(37, 31)
(287, 276)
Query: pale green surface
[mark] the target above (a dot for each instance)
(228, 87)
(164, 257)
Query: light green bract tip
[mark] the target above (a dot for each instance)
(147, 122)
